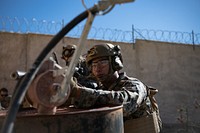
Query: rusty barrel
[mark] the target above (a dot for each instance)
(70, 120)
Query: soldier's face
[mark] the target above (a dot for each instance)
(100, 68)
(3, 95)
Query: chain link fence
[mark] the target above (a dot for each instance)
(24, 25)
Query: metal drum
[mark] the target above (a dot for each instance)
(70, 120)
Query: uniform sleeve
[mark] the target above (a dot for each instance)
(130, 95)
(132, 87)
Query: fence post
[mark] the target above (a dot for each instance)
(133, 36)
(193, 40)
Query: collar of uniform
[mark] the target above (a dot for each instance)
(121, 76)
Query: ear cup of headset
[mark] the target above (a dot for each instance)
(117, 63)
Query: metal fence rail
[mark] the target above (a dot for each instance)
(24, 25)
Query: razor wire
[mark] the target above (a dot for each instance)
(24, 25)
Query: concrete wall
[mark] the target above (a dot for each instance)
(174, 69)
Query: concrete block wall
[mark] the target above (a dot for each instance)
(174, 69)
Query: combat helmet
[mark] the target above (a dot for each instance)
(106, 50)
(68, 51)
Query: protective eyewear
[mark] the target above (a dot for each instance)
(4, 95)
(101, 63)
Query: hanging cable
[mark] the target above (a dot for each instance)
(20, 91)
(18, 96)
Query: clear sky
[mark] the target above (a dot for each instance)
(171, 15)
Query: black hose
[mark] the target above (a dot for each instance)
(18, 96)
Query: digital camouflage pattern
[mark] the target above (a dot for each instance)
(137, 99)
(130, 92)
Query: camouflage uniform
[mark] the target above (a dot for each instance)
(127, 91)
(137, 99)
